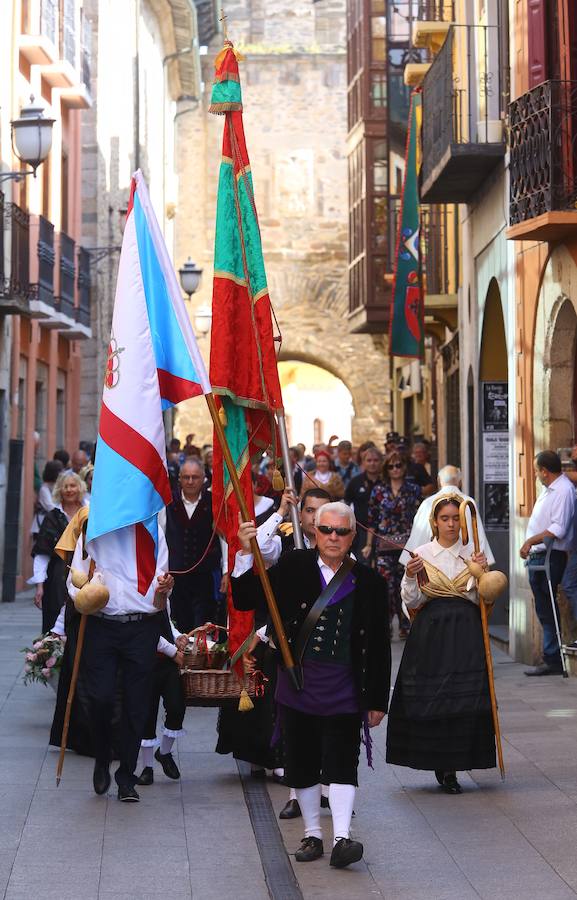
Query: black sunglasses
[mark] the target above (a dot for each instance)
(328, 529)
(395, 466)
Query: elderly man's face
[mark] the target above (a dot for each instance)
(333, 547)
(191, 479)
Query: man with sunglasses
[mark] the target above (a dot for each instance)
(343, 648)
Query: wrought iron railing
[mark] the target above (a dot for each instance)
(543, 151)
(439, 248)
(67, 272)
(16, 282)
(45, 253)
(82, 311)
(464, 93)
(436, 11)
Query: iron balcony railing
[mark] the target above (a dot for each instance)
(543, 151)
(82, 311)
(16, 282)
(436, 11)
(439, 249)
(67, 273)
(46, 256)
(463, 94)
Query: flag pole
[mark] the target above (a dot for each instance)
(259, 561)
(290, 480)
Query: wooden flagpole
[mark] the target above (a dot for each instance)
(259, 561)
(485, 627)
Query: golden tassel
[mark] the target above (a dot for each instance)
(222, 416)
(277, 481)
(245, 704)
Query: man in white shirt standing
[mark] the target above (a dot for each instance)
(552, 516)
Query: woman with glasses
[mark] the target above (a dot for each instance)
(392, 507)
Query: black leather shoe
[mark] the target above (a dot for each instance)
(101, 778)
(291, 810)
(440, 776)
(128, 795)
(311, 848)
(450, 784)
(146, 776)
(346, 852)
(325, 802)
(168, 764)
(255, 772)
(543, 669)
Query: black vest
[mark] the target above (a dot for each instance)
(188, 539)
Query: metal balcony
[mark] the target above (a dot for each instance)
(65, 275)
(440, 266)
(15, 269)
(81, 329)
(463, 135)
(543, 162)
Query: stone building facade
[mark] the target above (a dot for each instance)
(294, 94)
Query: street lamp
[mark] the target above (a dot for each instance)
(203, 319)
(31, 139)
(190, 276)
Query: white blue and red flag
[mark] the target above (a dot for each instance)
(153, 363)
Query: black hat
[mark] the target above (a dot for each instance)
(392, 436)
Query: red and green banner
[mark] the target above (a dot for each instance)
(407, 319)
(243, 367)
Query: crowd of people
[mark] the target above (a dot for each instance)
(383, 542)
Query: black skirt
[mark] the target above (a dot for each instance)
(248, 735)
(440, 714)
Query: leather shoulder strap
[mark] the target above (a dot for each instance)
(319, 606)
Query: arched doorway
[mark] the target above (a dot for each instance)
(494, 441)
(559, 419)
(317, 403)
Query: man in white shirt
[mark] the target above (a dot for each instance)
(450, 481)
(552, 517)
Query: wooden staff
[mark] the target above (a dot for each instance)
(261, 568)
(484, 624)
(70, 698)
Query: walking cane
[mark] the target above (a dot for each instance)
(548, 541)
(70, 698)
(495, 586)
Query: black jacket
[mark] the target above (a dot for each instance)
(188, 539)
(295, 581)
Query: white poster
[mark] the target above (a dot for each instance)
(495, 457)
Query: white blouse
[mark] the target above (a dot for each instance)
(450, 560)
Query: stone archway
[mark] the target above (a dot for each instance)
(554, 356)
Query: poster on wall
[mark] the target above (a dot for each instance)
(495, 406)
(495, 427)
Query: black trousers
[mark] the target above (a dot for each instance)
(166, 683)
(192, 602)
(320, 749)
(132, 646)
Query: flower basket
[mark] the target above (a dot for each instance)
(198, 655)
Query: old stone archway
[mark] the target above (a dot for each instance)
(317, 403)
(554, 356)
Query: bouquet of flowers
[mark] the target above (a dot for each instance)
(43, 658)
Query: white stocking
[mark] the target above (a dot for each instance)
(310, 803)
(292, 794)
(342, 801)
(166, 744)
(147, 756)
(325, 790)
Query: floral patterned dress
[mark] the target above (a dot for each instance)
(391, 514)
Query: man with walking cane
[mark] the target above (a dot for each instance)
(552, 517)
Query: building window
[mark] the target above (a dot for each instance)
(379, 89)
(41, 407)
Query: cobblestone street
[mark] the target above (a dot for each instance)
(195, 838)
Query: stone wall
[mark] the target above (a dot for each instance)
(294, 94)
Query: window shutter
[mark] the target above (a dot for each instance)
(537, 31)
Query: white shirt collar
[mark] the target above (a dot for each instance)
(455, 550)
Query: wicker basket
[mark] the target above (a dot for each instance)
(198, 656)
(210, 687)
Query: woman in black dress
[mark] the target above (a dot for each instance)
(440, 715)
(49, 569)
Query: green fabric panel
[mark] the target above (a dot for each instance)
(253, 247)
(227, 249)
(236, 434)
(226, 92)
